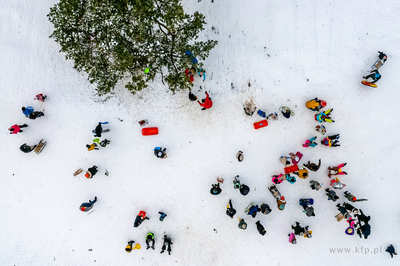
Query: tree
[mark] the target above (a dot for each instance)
(113, 39)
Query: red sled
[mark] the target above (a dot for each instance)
(148, 131)
(260, 124)
(291, 169)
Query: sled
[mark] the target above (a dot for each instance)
(77, 172)
(260, 124)
(291, 169)
(40, 147)
(367, 83)
(103, 131)
(304, 202)
(275, 192)
(148, 131)
(104, 123)
(378, 64)
(339, 217)
(246, 210)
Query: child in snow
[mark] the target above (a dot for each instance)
(140, 218)
(277, 179)
(27, 110)
(352, 222)
(150, 238)
(391, 251)
(167, 241)
(26, 148)
(343, 213)
(230, 211)
(310, 142)
(242, 224)
(129, 246)
(336, 184)
(295, 157)
(17, 128)
(315, 104)
(351, 197)
(162, 216)
(302, 173)
(260, 228)
(91, 172)
(35, 115)
(337, 170)
(307, 233)
(331, 141)
(253, 211)
(215, 190)
(91, 147)
(272, 116)
(312, 166)
(321, 129)
(40, 97)
(104, 143)
(315, 185)
(190, 73)
(281, 203)
(324, 116)
(331, 195)
(286, 161)
(265, 209)
(290, 179)
(292, 238)
(160, 152)
(374, 74)
(206, 103)
(192, 97)
(87, 206)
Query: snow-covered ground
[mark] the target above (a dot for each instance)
(275, 52)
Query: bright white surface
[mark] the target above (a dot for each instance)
(267, 50)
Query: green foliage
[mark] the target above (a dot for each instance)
(113, 39)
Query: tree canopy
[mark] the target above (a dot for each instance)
(114, 39)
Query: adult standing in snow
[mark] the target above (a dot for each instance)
(17, 128)
(91, 172)
(167, 241)
(331, 195)
(315, 185)
(160, 152)
(150, 238)
(35, 115)
(230, 211)
(364, 230)
(27, 110)
(312, 166)
(265, 209)
(40, 97)
(99, 129)
(374, 74)
(308, 210)
(298, 230)
(206, 103)
(260, 228)
(129, 246)
(391, 251)
(26, 148)
(336, 170)
(87, 206)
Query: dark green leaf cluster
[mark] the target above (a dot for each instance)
(114, 39)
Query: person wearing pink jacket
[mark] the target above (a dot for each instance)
(16, 128)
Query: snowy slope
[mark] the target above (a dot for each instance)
(276, 52)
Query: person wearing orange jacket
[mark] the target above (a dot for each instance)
(206, 103)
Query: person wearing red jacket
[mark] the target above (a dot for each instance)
(206, 103)
(16, 128)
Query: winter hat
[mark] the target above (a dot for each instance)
(83, 208)
(282, 198)
(354, 198)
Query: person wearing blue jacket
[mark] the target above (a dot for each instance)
(27, 110)
(253, 210)
(87, 206)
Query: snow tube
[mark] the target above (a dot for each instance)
(147, 131)
(260, 124)
(291, 169)
(349, 231)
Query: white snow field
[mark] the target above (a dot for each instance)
(275, 52)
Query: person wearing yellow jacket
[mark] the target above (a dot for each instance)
(315, 104)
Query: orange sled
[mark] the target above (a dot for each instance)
(148, 131)
(291, 169)
(260, 124)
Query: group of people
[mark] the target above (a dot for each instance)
(30, 113)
